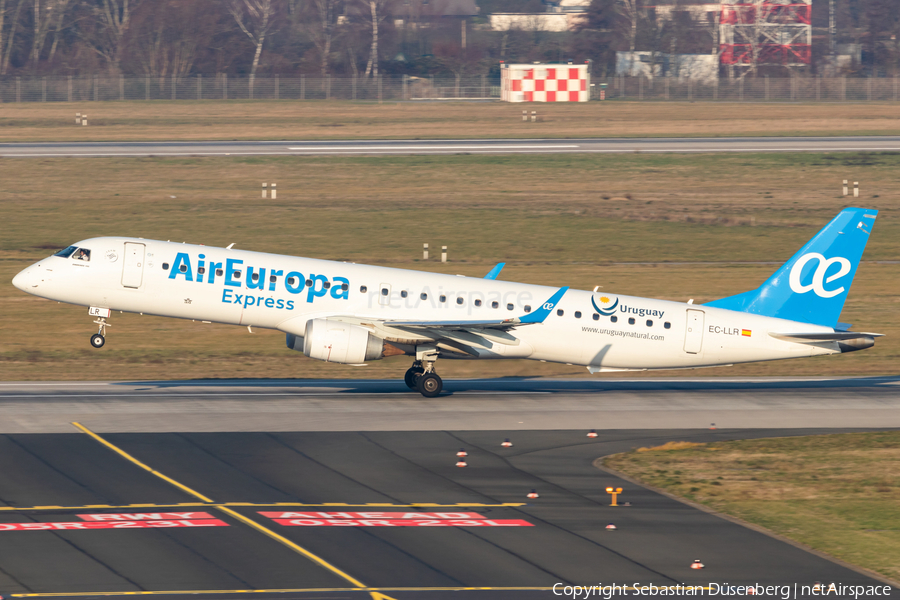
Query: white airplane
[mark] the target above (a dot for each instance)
(351, 314)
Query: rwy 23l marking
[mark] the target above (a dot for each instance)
(818, 279)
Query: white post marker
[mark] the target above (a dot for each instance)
(845, 187)
(78, 118)
(273, 191)
(443, 254)
(534, 116)
(424, 251)
(84, 120)
(856, 189)
(524, 115)
(265, 185)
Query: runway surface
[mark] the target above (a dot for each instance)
(483, 146)
(489, 404)
(238, 484)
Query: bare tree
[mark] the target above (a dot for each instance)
(44, 18)
(60, 16)
(105, 32)
(378, 11)
(323, 31)
(259, 16)
(166, 36)
(12, 35)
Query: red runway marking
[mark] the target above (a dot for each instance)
(403, 523)
(146, 516)
(371, 515)
(112, 525)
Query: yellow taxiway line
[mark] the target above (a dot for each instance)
(246, 520)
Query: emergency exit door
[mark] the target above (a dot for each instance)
(133, 266)
(693, 332)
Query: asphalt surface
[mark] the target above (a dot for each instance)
(489, 404)
(478, 146)
(55, 477)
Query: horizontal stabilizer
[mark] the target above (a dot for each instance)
(847, 341)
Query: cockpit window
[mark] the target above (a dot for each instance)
(82, 254)
(67, 252)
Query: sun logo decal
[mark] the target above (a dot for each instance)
(607, 306)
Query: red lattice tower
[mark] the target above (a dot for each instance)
(766, 32)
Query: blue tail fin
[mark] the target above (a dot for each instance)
(812, 286)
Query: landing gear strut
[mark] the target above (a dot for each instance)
(421, 375)
(99, 338)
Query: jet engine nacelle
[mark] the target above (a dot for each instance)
(334, 341)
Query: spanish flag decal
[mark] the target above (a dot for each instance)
(745, 332)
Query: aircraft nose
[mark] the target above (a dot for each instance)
(24, 279)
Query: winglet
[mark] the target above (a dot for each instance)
(492, 274)
(543, 312)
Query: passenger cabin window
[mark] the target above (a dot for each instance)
(201, 270)
(255, 277)
(495, 305)
(528, 308)
(66, 252)
(631, 320)
(595, 316)
(326, 285)
(82, 254)
(237, 274)
(613, 319)
(560, 312)
(404, 294)
(183, 268)
(423, 296)
(309, 283)
(510, 306)
(459, 300)
(273, 278)
(667, 325)
(290, 280)
(384, 291)
(345, 287)
(443, 298)
(577, 314)
(649, 323)
(219, 273)
(165, 266)
(363, 289)
(478, 303)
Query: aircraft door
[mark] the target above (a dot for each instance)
(133, 265)
(693, 332)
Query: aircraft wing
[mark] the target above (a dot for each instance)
(465, 336)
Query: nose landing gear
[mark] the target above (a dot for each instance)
(99, 338)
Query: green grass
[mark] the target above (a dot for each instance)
(559, 220)
(839, 494)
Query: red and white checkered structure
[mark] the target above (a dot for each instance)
(545, 83)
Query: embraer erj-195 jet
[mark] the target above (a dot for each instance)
(348, 313)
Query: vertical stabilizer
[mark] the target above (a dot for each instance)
(812, 286)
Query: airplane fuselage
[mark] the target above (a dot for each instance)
(600, 330)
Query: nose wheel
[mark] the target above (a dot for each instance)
(99, 338)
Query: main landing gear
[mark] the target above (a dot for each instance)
(99, 338)
(422, 377)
